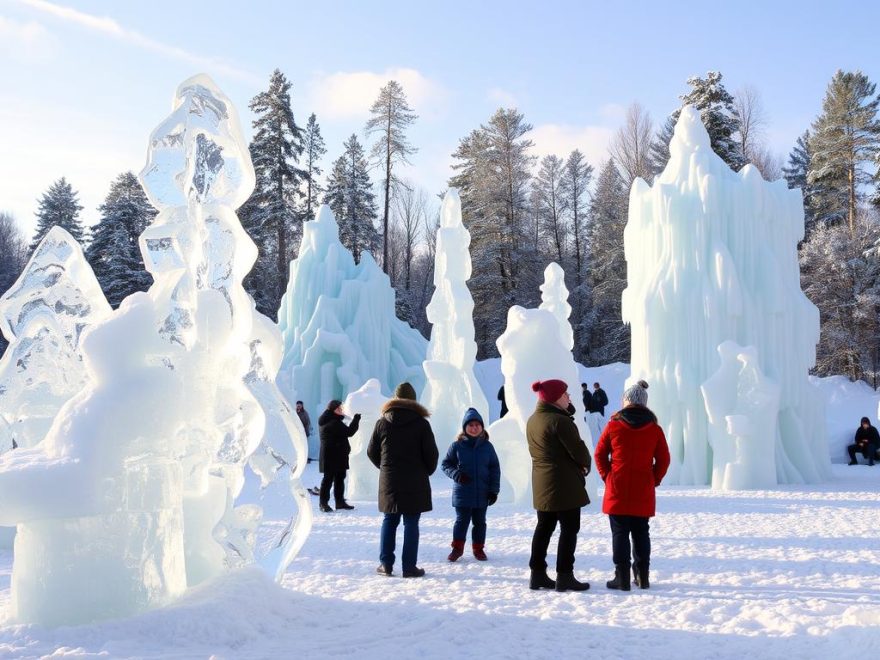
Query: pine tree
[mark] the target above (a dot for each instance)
(796, 173)
(391, 117)
(715, 104)
(13, 256)
(845, 139)
(270, 215)
(576, 177)
(549, 203)
(350, 196)
(609, 337)
(313, 151)
(114, 252)
(59, 206)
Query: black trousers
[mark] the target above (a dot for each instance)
(868, 451)
(337, 479)
(622, 527)
(569, 526)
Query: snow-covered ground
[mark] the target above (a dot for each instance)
(792, 573)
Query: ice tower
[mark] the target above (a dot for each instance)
(712, 256)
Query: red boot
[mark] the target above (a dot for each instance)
(457, 550)
(478, 552)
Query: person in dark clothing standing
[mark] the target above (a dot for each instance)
(867, 441)
(632, 458)
(503, 401)
(335, 448)
(402, 447)
(588, 398)
(599, 400)
(304, 418)
(560, 463)
(472, 464)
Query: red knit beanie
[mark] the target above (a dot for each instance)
(549, 391)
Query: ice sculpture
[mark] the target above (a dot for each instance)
(44, 315)
(451, 386)
(159, 437)
(339, 326)
(741, 405)
(534, 346)
(363, 477)
(712, 256)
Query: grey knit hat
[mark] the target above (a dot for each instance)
(636, 395)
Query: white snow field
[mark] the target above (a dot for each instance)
(787, 573)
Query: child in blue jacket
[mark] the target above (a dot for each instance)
(472, 464)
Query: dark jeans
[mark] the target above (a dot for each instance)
(868, 451)
(338, 481)
(621, 529)
(463, 517)
(569, 526)
(388, 540)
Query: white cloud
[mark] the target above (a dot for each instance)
(27, 42)
(349, 95)
(108, 26)
(502, 97)
(562, 139)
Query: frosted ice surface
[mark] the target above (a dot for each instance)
(363, 478)
(532, 348)
(43, 315)
(339, 326)
(451, 386)
(712, 256)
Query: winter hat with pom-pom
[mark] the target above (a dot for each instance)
(471, 415)
(636, 395)
(549, 391)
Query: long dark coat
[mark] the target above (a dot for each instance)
(560, 460)
(335, 446)
(404, 450)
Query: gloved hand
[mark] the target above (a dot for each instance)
(357, 417)
(462, 479)
(492, 497)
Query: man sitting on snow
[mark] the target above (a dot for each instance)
(867, 441)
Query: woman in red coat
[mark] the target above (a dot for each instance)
(632, 458)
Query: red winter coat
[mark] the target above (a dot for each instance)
(632, 458)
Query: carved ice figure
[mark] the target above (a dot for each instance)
(43, 316)
(534, 346)
(742, 406)
(451, 386)
(339, 326)
(712, 256)
(363, 477)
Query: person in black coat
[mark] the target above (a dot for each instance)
(867, 441)
(403, 448)
(599, 400)
(588, 399)
(335, 448)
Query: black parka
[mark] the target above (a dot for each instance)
(404, 450)
(335, 446)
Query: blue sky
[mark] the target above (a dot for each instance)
(82, 84)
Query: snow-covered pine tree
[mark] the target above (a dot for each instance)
(606, 266)
(113, 252)
(313, 152)
(493, 176)
(13, 256)
(795, 173)
(391, 116)
(350, 196)
(270, 216)
(845, 140)
(715, 103)
(60, 206)
(549, 206)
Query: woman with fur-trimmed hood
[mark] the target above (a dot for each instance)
(403, 448)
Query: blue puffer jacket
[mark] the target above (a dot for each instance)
(476, 458)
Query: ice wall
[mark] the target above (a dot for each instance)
(536, 345)
(712, 256)
(451, 386)
(338, 322)
(43, 315)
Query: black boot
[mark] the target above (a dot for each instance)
(621, 578)
(324, 507)
(640, 574)
(568, 582)
(344, 505)
(540, 580)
